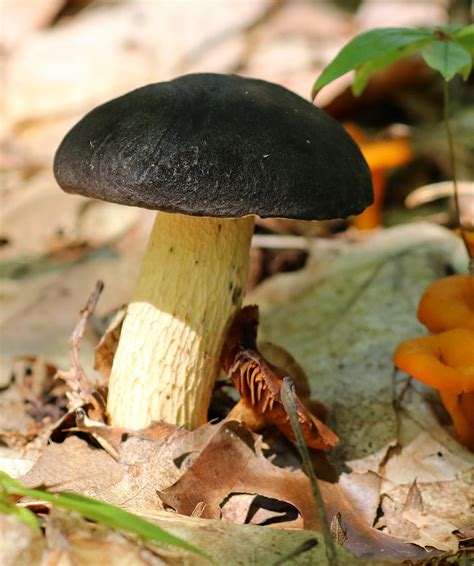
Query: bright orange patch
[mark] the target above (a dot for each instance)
(448, 303)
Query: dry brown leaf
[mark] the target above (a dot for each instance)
(414, 500)
(232, 462)
(77, 467)
(112, 438)
(244, 508)
(445, 503)
(337, 529)
(139, 464)
(73, 540)
(364, 490)
(432, 531)
(105, 349)
(204, 468)
(425, 459)
(31, 402)
(20, 544)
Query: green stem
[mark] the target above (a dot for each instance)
(287, 396)
(457, 208)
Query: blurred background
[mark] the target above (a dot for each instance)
(60, 58)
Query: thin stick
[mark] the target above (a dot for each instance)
(78, 334)
(287, 395)
(457, 208)
(76, 378)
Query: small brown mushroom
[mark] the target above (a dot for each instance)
(259, 383)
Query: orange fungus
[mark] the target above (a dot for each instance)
(448, 303)
(445, 362)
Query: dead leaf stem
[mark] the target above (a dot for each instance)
(76, 377)
(288, 398)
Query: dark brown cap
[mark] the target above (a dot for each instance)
(216, 145)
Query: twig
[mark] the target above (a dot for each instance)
(78, 334)
(457, 208)
(270, 241)
(288, 400)
(76, 377)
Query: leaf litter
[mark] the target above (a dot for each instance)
(393, 431)
(197, 473)
(221, 472)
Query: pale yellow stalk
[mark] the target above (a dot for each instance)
(191, 283)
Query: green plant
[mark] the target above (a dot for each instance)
(87, 507)
(447, 49)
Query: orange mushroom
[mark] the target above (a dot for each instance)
(448, 303)
(468, 238)
(259, 383)
(446, 363)
(381, 156)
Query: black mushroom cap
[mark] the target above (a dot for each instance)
(216, 145)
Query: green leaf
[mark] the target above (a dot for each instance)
(365, 72)
(101, 513)
(372, 45)
(448, 58)
(465, 38)
(9, 507)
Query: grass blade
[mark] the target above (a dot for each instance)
(101, 513)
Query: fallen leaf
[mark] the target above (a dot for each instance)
(414, 500)
(337, 529)
(30, 402)
(19, 20)
(85, 542)
(20, 543)
(426, 460)
(233, 463)
(76, 467)
(107, 346)
(71, 539)
(432, 531)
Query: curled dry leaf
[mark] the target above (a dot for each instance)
(259, 383)
(105, 349)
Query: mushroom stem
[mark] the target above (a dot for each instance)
(191, 283)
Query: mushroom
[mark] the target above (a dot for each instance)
(209, 152)
(259, 383)
(448, 303)
(382, 155)
(445, 362)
